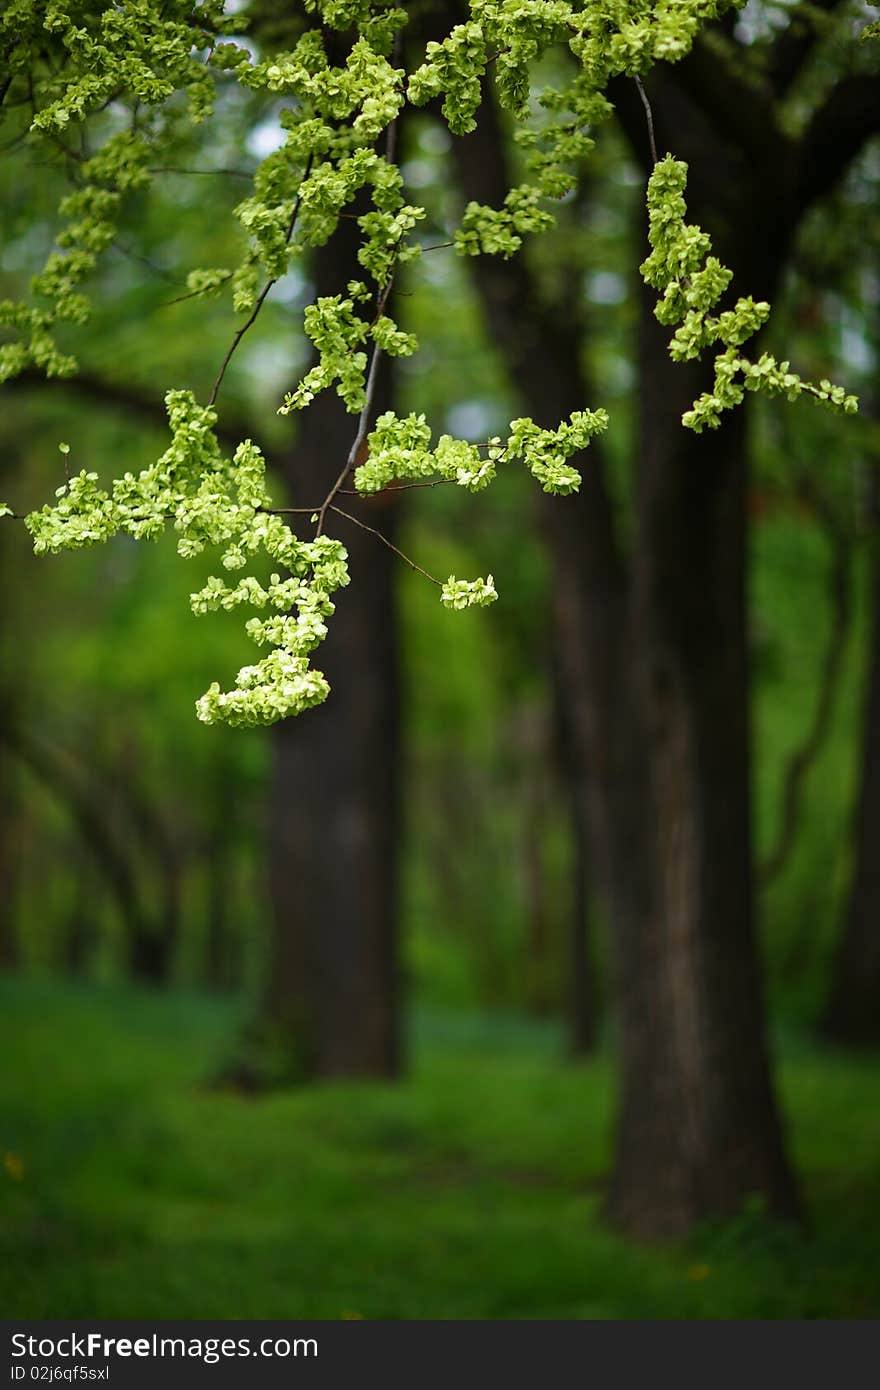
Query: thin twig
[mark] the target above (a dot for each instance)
(288, 511)
(396, 487)
(122, 250)
(226, 173)
(385, 541)
(649, 116)
(372, 378)
(262, 296)
(194, 294)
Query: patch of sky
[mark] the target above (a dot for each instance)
(469, 420)
(605, 287)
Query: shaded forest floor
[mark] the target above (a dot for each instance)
(129, 1189)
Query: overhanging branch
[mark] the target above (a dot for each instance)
(133, 400)
(837, 133)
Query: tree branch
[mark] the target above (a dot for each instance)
(132, 400)
(88, 816)
(262, 295)
(837, 133)
(360, 437)
(385, 541)
(649, 118)
(793, 48)
(363, 427)
(540, 345)
(736, 107)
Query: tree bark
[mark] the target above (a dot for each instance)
(654, 678)
(332, 999)
(698, 1130)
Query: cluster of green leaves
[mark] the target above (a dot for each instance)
(692, 282)
(121, 71)
(211, 500)
(400, 451)
(607, 40)
(74, 62)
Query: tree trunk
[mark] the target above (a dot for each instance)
(653, 673)
(581, 1001)
(85, 802)
(9, 945)
(853, 1015)
(331, 1004)
(698, 1130)
(541, 347)
(219, 972)
(582, 1005)
(80, 935)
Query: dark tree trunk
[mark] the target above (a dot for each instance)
(853, 1015)
(582, 1003)
(538, 907)
(653, 673)
(698, 1129)
(9, 947)
(222, 960)
(332, 998)
(148, 955)
(80, 925)
(541, 347)
(218, 963)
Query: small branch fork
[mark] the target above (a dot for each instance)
(262, 296)
(373, 373)
(355, 521)
(385, 541)
(364, 417)
(370, 390)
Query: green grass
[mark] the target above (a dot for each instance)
(129, 1189)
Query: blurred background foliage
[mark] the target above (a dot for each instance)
(121, 813)
(104, 659)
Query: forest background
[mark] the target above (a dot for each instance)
(168, 1150)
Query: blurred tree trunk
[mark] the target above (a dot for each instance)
(538, 908)
(9, 949)
(218, 963)
(86, 804)
(540, 343)
(331, 1003)
(582, 1002)
(80, 924)
(155, 943)
(853, 1014)
(581, 995)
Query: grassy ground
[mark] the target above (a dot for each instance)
(128, 1189)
